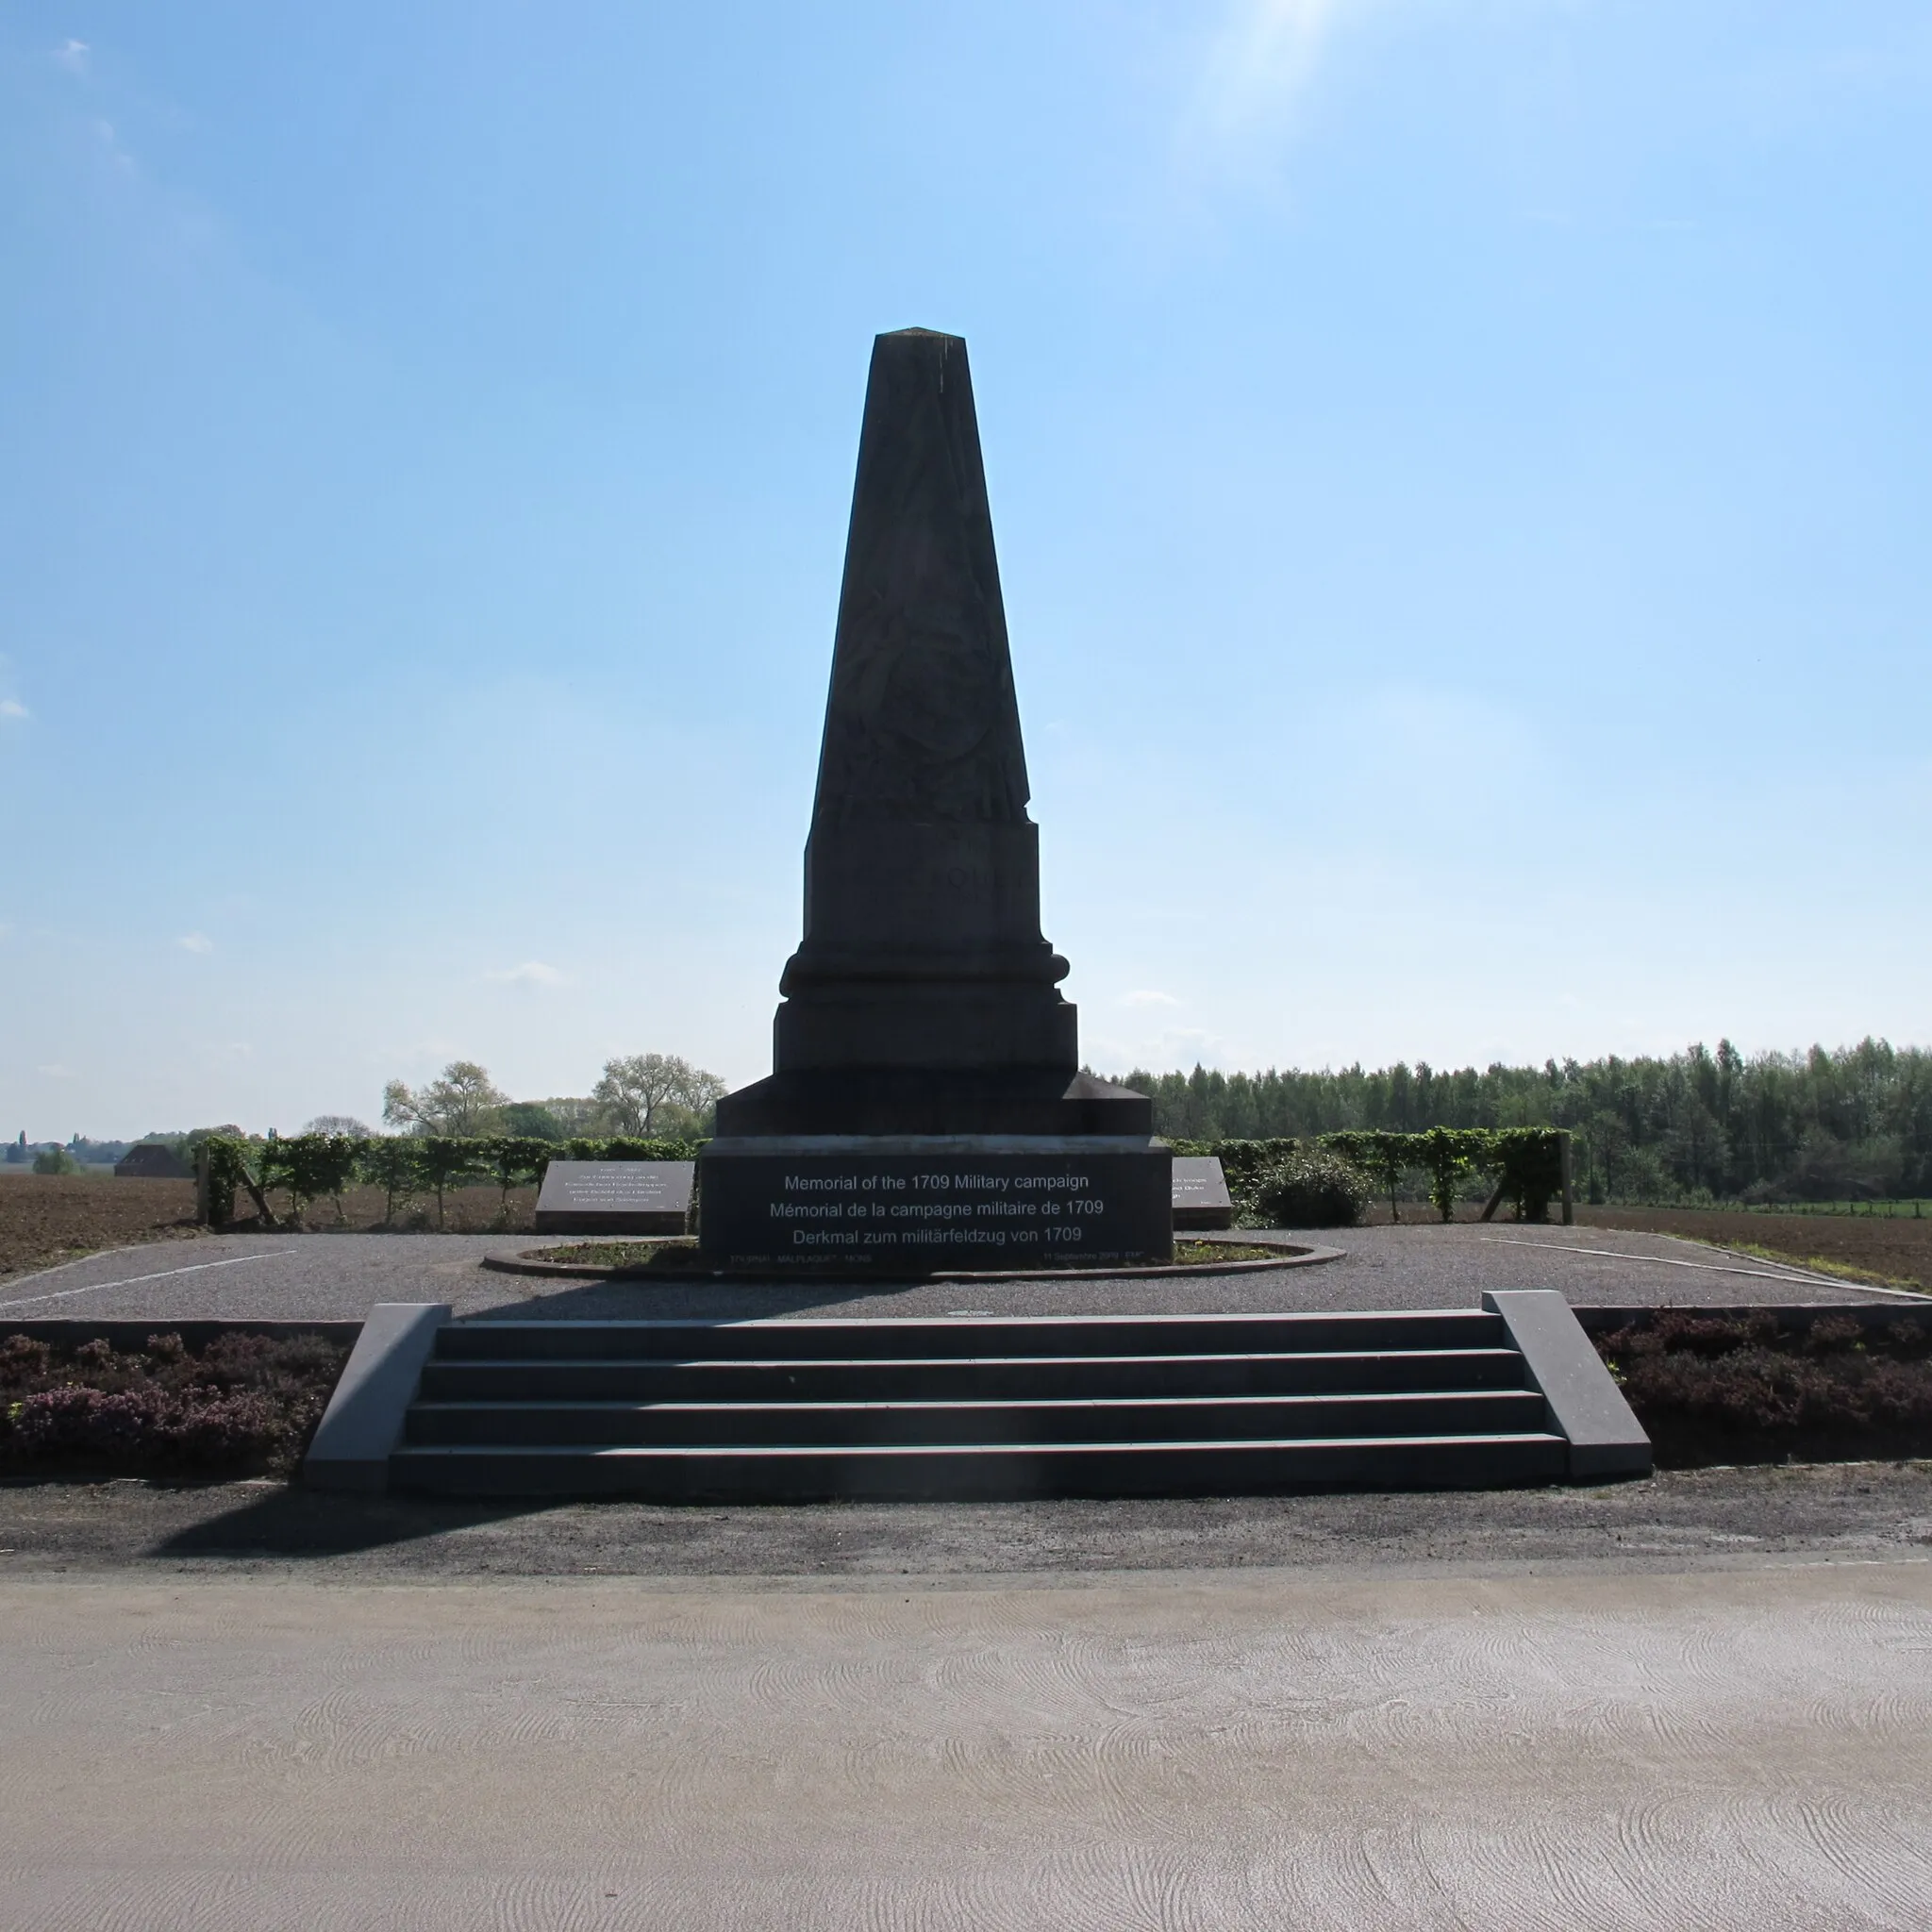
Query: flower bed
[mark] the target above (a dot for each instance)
(245, 1405)
(1743, 1389)
(668, 1252)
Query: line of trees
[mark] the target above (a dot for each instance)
(74, 1154)
(651, 1096)
(1698, 1125)
(655, 1095)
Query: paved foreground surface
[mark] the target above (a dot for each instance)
(1749, 1748)
(1682, 1520)
(340, 1277)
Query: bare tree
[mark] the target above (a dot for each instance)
(461, 1101)
(637, 1094)
(338, 1123)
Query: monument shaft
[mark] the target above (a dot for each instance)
(924, 1000)
(922, 943)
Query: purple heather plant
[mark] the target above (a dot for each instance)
(244, 1405)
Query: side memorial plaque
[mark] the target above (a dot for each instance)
(1200, 1192)
(908, 1205)
(614, 1197)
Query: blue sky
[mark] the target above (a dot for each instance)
(1459, 467)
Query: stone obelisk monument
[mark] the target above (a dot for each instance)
(925, 1106)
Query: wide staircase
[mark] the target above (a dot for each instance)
(1070, 1406)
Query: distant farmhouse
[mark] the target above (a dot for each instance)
(151, 1161)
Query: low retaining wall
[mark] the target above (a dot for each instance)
(130, 1337)
(1301, 1256)
(1874, 1318)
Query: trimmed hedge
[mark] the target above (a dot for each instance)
(317, 1167)
(1526, 1162)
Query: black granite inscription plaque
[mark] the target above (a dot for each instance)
(1200, 1192)
(614, 1197)
(814, 1203)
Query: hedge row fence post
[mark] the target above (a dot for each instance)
(221, 1166)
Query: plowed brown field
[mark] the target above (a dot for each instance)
(1895, 1250)
(46, 1218)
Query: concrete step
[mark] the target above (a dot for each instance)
(805, 1424)
(767, 1473)
(981, 1406)
(938, 1338)
(966, 1377)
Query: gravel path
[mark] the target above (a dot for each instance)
(1687, 1519)
(317, 1277)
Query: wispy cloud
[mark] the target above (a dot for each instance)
(195, 943)
(57, 1072)
(73, 55)
(1147, 996)
(1255, 67)
(531, 973)
(12, 707)
(1177, 1047)
(110, 145)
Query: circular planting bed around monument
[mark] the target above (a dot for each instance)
(674, 1258)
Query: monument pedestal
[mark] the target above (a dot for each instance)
(910, 1204)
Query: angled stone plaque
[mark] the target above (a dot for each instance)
(1200, 1194)
(615, 1197)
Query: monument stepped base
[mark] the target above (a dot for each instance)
(934, 1100)
(1015, 1407)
